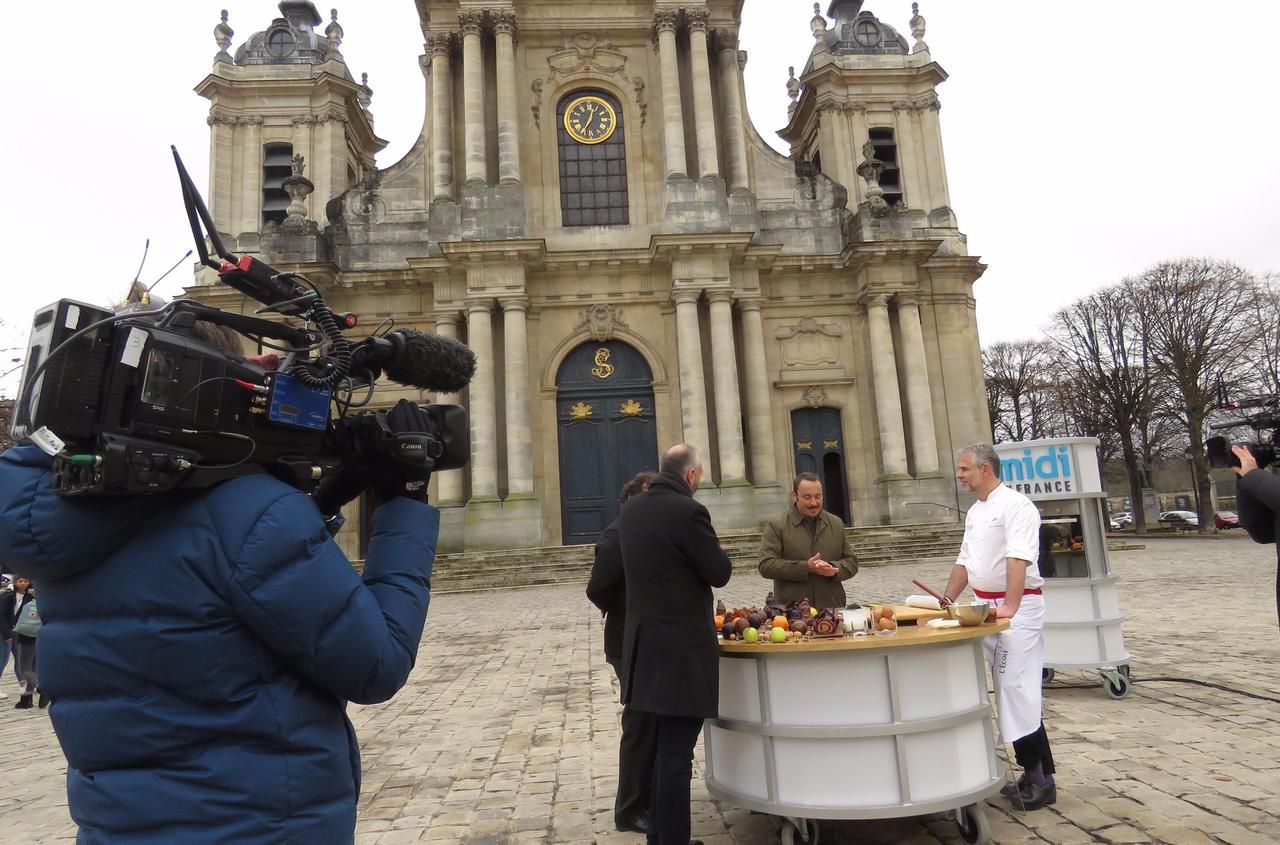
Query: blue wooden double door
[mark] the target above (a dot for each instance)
(607, 433)
(819, 448)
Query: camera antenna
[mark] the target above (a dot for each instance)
(175, 266)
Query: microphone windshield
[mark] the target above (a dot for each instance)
(431, 362)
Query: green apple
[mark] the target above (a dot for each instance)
(750, 635)
(777, 635)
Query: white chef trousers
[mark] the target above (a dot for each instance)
(1016, 658)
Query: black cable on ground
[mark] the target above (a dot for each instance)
(1171, 680)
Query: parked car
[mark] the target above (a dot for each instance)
(1223, 520)
(1123, 518)
(1180, 519)
(1115, 524)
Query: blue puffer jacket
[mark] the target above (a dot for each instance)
(200, 649)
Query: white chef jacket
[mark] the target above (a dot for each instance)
(1006, 525)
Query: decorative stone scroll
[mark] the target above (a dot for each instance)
(602, 321)
(810, 344)
(585, 54)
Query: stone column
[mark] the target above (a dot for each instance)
(251, 212)
(724, 361)
(221, 167)
(504, 33)
(664, 23)
(473, 98)
(932, 131)
(735, 130)
(516, 377)
(448, 483)
(704, 111)
(482, 409)
(441, 118)
(764, 465)
(924, 440)
(884, 369)
(693, 391)
(914, 188)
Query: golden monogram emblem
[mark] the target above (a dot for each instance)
(603, 369)
(831, 444)
(804, 444)
(579, 412)
(631, 408)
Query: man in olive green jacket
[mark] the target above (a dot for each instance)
(805, 550)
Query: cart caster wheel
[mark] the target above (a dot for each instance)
(1046, 676)
(1116, 684)
(799, 832)
(973, 824)
(1123, 670)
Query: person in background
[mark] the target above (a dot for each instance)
(805, 550)
(671, 558)
(607, 590)
(998, 559)
(26, 630)
(11, 602)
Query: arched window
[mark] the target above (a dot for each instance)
(277, 165)
(593, 160)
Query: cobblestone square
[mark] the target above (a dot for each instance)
(507, 731)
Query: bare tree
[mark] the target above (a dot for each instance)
(1197, 340)
(1101, 340)
(1017, 383)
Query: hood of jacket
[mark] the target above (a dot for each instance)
(44, 536)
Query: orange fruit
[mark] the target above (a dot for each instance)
(719, 622)
(781, 622)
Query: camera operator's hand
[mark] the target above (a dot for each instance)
(1248, 463)
(404, 468)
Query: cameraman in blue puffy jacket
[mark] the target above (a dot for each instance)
(200, 648)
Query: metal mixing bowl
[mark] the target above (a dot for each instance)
(970, 614)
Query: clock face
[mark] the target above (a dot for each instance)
(590, 120)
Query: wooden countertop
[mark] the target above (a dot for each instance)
(907, 635)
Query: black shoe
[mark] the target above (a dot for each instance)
(638, 823)
(24, 702)
(1032, 797)
(1011, 789)
(43, 701)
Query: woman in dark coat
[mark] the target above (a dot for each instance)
(670, 660)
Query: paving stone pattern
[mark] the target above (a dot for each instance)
(507, 731)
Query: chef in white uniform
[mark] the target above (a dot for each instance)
(998, 559)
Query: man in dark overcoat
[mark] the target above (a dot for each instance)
(607, 590)
(670, 658)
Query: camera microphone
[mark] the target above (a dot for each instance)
(416, 359)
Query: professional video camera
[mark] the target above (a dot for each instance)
(134, 403)
(1262, 414)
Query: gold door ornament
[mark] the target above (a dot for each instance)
(579, 412)
(831, 444)
(603, 369)
(804, 444)
(631, 408)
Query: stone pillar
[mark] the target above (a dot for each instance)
(924, 440)
(449, 484)
(884, 369)
(724, 362)
(664, 23)
(931, 129)
(693, 391)
(914, 188)
(473, 98)
(764, 465)
(504, 33)
(221, 155)
(251, 185)
(441, 118)
(704, 110)
(516, 377)
(482, 409)
(737, 174)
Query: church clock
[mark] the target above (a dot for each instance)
(590, 120)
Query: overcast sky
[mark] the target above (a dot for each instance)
(1083, 142)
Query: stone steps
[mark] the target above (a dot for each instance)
(473, 571)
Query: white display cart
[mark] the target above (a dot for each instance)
(857, 728)
(1083, 622)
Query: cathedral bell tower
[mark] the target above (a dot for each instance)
(289, 127)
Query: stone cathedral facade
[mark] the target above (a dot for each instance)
(590, 209)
